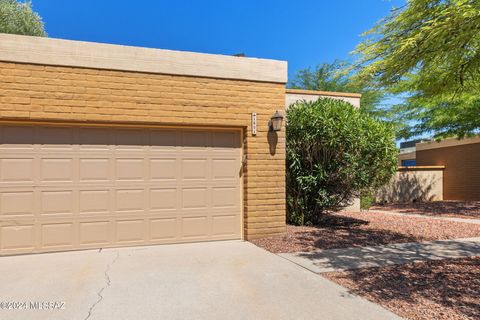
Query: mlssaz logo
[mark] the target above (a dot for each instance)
(32, 305)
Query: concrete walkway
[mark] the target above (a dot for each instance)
(211, 280)
(394, 213)
(352, 258)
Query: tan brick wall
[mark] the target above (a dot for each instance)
(461, 178)
(52, 93)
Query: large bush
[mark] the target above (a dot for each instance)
(17, 17)
(334, 153)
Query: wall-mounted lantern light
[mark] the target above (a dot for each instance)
(275, 123)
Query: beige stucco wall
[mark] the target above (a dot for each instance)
(294, 95)
(53, 90)
(59, 52)
(413, 184)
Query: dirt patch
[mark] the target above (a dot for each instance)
(459, 209)
(447, 289)
(366, 229)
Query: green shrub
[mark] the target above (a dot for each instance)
(334, 153)
(366, 201)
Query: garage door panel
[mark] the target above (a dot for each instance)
(162, 169)
(17, 137)
(17, 169)
(195, 227)
(225, 140)
(18, 203)
(57, 235)
(163, 198)
(96, 233)
(161, 140)
(94, 201)
(57, 138)
(130, 231)
(94, 169)
(57, 202)
(225, 225)
(130, 200)
(130, 140)
(194, 168)
(57, 169)
(225, 168)
(18, 238)
(195, 198)
(225, 197)
(194, 140)
(95, 139)
(130, 169)
(68, 188)
(163, 229)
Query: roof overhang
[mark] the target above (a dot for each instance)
(58, 52)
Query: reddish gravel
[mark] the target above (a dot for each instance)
(447, 289)
(361, 229)
(459, 209)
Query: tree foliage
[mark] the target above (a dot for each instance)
(429, 51)
(334, 153)
(337, 76)
(19, 18)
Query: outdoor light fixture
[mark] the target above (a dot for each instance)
(275, 122)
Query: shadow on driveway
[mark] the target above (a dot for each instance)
(353, 258)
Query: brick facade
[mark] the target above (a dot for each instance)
(461, 178)
(73, 95)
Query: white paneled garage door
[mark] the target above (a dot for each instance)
(66, 188)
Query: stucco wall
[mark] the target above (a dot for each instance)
(411, 184)
(294, 95)
(52, 94)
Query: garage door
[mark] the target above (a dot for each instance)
(66, 188)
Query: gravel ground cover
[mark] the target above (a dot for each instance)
(356, 229)
(447, 289)
(459, 209)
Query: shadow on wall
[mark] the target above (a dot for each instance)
(272, 139)
(412, 186)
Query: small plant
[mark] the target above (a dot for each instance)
(334, 153)
(366, 200)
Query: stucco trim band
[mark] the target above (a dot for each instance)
(58, 52)
(450, 142)
(413, 168)
(324, 93)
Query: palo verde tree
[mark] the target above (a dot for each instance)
(19, 18)
(429, 52)
(338, 76)
(335, 152)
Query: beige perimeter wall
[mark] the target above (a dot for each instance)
(411, 184)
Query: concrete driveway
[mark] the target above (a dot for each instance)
(214, 280)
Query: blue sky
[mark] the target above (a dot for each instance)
(304, 33)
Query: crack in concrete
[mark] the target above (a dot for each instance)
(107, 284)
